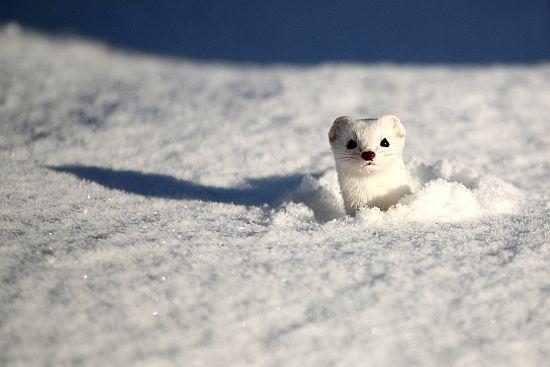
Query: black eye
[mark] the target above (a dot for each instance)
(351, 144)
(384, 143)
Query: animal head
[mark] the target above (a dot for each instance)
(367, 146)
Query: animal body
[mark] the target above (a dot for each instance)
(369, 161)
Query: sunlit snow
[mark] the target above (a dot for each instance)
(172, 212)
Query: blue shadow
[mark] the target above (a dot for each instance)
(256, 192)
(308, 31)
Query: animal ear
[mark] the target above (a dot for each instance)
(398, 128)
(337, 127)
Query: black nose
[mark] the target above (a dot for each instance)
(368, 156)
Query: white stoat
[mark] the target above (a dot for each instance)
(369, 161)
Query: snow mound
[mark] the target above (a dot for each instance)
(442, 192)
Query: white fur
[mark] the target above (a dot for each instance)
(380, 183)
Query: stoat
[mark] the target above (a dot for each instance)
(369, 161)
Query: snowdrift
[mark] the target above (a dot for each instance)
(160, 212)
(442, 192)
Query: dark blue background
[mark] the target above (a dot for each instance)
(429, 31)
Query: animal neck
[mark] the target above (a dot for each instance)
(381, 189)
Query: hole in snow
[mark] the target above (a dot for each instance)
(442, 192)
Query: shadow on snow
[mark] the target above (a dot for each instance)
(428, 31)
(254, 192)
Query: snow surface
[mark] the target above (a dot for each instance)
(168, 212)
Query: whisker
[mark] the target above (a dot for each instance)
(346, 158)
(345, 155)
(394, 155)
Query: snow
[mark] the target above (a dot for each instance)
(170, 212)
(442, 192)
